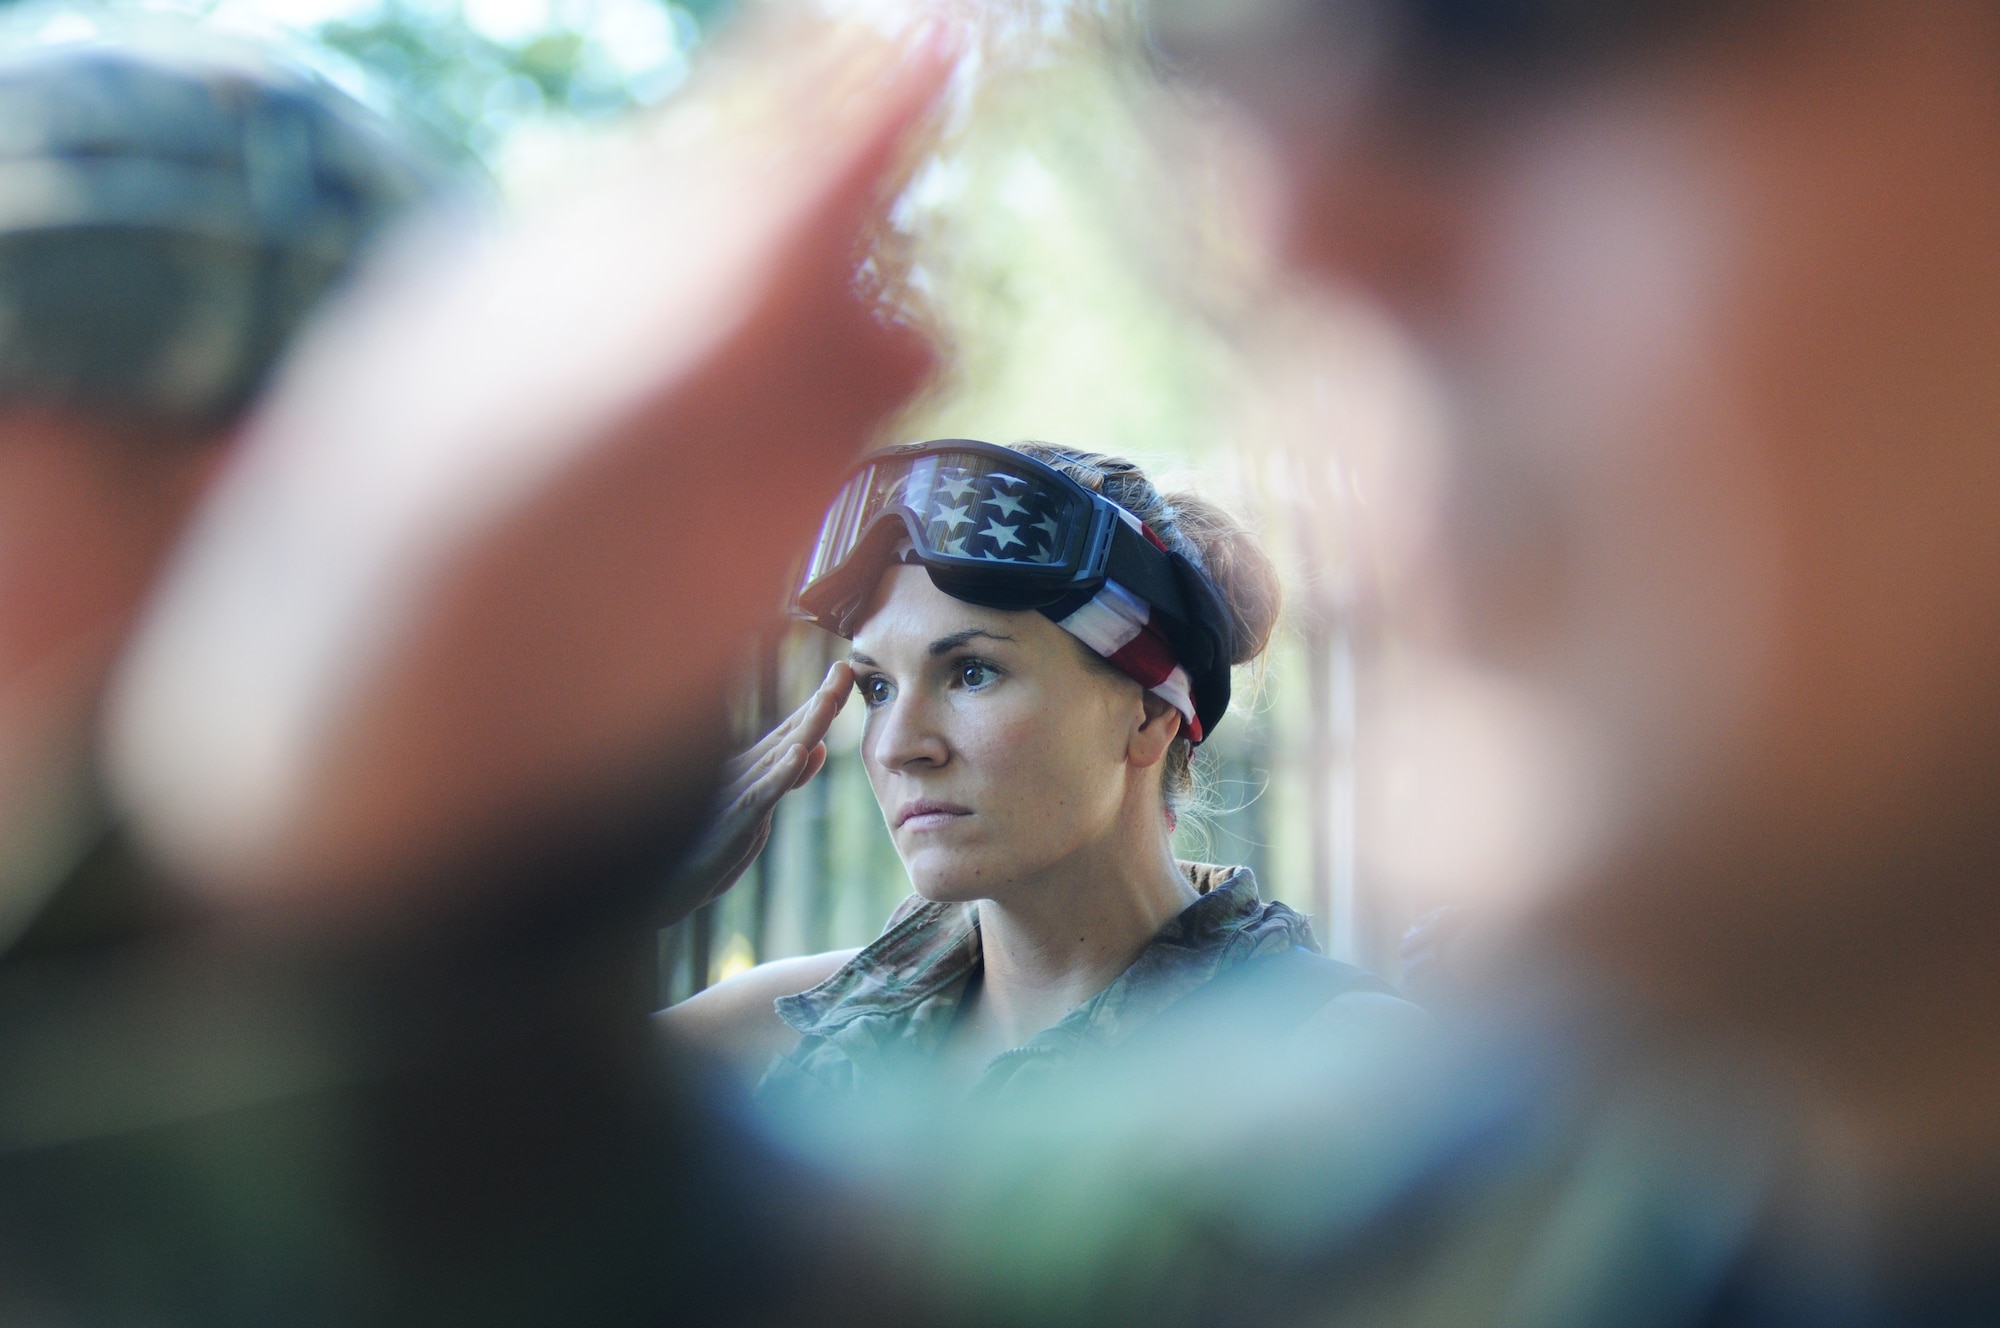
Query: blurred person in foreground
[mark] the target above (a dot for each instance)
(403, 1075)
(158, 251)
(1714, 292)
(1040, 638)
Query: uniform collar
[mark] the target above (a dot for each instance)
(929, 952)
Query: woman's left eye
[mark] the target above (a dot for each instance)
(975, 674)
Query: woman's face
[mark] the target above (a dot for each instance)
(996, 748)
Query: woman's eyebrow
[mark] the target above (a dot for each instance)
(944, 645)
(856, 657)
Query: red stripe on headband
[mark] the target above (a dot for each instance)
(1147, 658)
(1119, 627)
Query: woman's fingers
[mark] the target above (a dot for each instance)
(774, 781)
(815, 761)
(839, 682)
(807, 725)
(816, 716)
(758, 781)
(754, 784)
(832, 691)
(755, 762)
(757, 787)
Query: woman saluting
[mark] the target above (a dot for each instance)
(1040, 639)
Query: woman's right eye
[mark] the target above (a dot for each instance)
(874, 689)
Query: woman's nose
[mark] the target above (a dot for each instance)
(905, 734)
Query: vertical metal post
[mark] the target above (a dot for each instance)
(767, 709)
(1340, 804)
(1318, 634)
(668, 943)
(1316, 499)
(1331, 774)
(701, 946)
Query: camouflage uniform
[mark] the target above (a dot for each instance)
(873, 1024)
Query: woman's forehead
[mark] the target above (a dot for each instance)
(907, 612)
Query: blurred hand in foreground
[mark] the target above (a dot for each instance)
(472, 592)
(753, 784)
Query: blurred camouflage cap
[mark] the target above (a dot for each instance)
(168, 216)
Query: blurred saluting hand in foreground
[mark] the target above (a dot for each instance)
(469, 595)
(435, 680)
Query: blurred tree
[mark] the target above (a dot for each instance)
(470, 75)
(475, 74)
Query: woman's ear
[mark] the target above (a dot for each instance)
(1150, 741)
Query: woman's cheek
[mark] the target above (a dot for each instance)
(1004, 750)
(1054, 780)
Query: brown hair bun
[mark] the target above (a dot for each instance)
(1244, 577)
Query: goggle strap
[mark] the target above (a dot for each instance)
(1137, 565)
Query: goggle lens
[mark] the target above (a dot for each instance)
(957, 507)
(967, 507)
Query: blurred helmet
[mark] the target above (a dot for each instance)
(169, 213)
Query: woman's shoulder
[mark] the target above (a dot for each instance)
(735, 1020)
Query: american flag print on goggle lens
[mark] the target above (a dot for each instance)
(962, 505)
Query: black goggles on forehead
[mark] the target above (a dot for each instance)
(996, 527)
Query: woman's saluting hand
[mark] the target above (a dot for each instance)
(753, 784)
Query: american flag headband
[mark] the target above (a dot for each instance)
(996, 527)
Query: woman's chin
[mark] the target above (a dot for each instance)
(946, 890)
(948, 878)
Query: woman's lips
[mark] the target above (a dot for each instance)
(926, 815)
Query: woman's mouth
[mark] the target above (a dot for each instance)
(924, 814)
